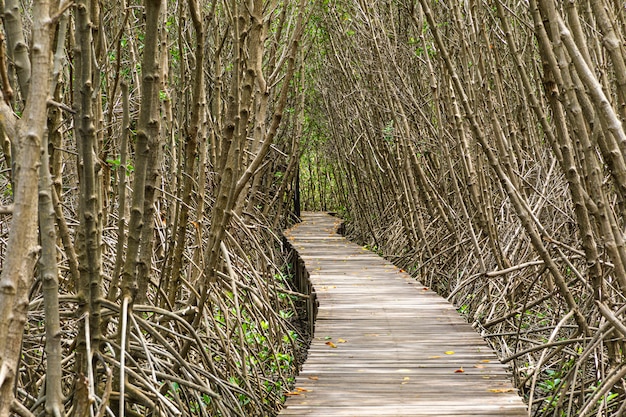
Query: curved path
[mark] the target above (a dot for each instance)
(384, 345)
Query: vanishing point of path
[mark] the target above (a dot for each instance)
(384, 345)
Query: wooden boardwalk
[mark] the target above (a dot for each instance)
(384, 345)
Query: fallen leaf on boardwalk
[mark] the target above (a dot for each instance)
(314, 378)
(341, 340)
(302, 389)
(425, 288)
(501, 390)
(331, 344)
(485, 361)
(327, 337)
(434, 357)
(459, 371)
(405, 380)
(401, 270)
(449, 352)
(291, 394)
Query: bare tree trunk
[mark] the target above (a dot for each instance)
(122, 183)
(17, 274)
(193, 136)
(90, 257)
(17, 45)
(50, 282)
(146, 126)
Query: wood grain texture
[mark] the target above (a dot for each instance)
(384, 345)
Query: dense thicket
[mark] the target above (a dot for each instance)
(480, 145)
(145, 276)
(150, 152)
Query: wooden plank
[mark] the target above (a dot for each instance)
(386, 345)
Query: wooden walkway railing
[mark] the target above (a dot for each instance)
(384, 345)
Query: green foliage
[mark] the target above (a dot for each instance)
(432, 52)
(388, 132)
(267, 355)
(374, 248)
(551, 383)
(170, 23)
(317, 181)
(8, 191)
(116, 163)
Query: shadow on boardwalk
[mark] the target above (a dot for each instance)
(384, 345)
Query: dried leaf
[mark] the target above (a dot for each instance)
(291, 394)
(485, 361)
(434, 357)
(331, 344)
(449, 352)
(341, 340)
(459, 371)
(302, 389)
(314, 378)
(501, 390)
